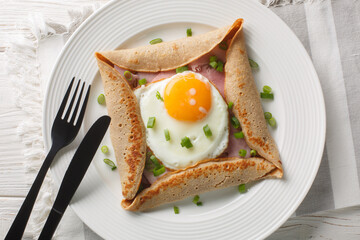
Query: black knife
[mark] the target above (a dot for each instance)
(74, 174)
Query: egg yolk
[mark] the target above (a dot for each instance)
(187, 98)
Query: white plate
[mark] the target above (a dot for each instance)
(298, 108)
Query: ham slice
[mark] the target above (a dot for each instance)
(201, 66)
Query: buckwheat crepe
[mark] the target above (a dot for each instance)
(127, 130)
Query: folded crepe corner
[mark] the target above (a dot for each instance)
(127, 130)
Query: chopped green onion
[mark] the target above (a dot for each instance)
(101, 99)
(158, 170)
(213, 64)
(176, 210)
(110, 163)
(207, 131)
(142, 81)
(235, 122)
(220, 66)
(167, 134)
(253, 64)
(128, 75)
(196, 199)
(104, 149)
(182, 69)
(230, 105)
(267, 115)
(185, 142)
(149, 165)
(213, 59)
(155, 161)
(151, 122)
(242, 188)
(189, 32)
(199, 204)
(272, 122)
(223, 46)
(267, 89)
(253, 153)
(158, 96)
(242, 153)
(239, 135)
(155, 41)
(267, 95)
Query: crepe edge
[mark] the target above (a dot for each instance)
(208, 176)
(127, 131)
(132, 59)
(239, 80)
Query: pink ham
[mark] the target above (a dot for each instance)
(202, 67)
(235, 145)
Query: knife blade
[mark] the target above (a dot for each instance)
(74, 174)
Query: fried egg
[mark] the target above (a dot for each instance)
(183, 104)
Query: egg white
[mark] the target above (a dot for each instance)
(171, 153)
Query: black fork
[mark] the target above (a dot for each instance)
(63, 132)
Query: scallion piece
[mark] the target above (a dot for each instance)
(253, 153)
(155, 41)
(267, 89)
(176, 210)
(189, 32)
(158, 170)
(128, 75)
(104, 149)
(267, 95)
(213, 64)
(242, 152)
(182, 69)
(167, 134)
(242, 188)
(155, 161)
(101, 99)
(196, 199)
(110, 163)
(207, 131)
(272, 122)
(220, 66)
(239, 135)
(199, 204)
(151, 122)
(253, 64)
(158, 96)
(185, 142)
(235, 122)
(142, 81)
(223, 46)
(267, 115)
(213, 59)
(230, 105)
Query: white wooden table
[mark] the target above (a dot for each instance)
(335, 224)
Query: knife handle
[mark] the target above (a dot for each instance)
(51, 224)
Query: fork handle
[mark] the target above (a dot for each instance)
(17, 228)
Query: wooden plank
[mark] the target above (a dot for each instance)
(9, 207)
(334, 224)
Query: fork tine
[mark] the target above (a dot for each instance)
(72, 102)
(64, 101)
(77, 105)
(83, 108)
